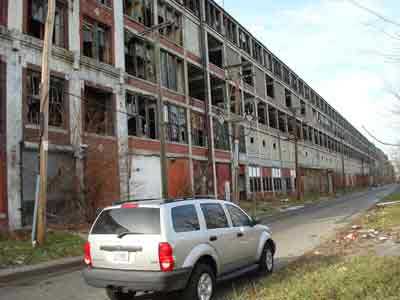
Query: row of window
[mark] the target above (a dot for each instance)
(269, 184)
(185, 218)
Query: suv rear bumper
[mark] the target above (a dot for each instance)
(137, 280)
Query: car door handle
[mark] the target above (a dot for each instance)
(240, 234)
(213, 238)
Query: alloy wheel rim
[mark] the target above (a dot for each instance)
(205, 287)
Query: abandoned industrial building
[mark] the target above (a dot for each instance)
(145, 99)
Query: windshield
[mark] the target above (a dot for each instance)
(141, 220)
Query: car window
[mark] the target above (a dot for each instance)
(214, 215)
(239, 218)
(184, 218)
(141, 220)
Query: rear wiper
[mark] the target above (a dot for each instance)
(122, 234)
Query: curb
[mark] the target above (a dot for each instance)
(25, 272)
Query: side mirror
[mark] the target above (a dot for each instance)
(255, 222)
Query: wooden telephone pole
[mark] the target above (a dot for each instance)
(44, 122)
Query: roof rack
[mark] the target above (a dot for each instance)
(135, 200)
(197, 197)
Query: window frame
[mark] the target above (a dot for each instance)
(250, 220)
(202, 205)
(95, 27)
(198, 226)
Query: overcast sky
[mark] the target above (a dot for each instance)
(338, 49)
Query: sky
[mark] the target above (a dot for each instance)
(343, 52)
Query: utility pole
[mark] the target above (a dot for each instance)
(44, 122)
(296, 153)
(343, 170)
(236, 197)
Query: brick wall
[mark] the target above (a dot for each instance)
(178, 178)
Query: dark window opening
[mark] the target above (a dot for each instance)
(303, 107)
(278, 184)
(96, 41)
(196, 83)
(37, 14)
(257, 52)
(176, 126)
(142, 116)
(217, 92)
(215, 53)
(139, 57)
(247, 72)
(230, 30)
(57, 111)
(221, 135)
(139, 10)
(267, 183)
(270, 86)
(244, 41)
(286, 77)
(277, 68)
(99, 114)
(262, 113)
(199, 130)
(171, 72)
(213, 16)
(288, 98)
(272, 117)
(282, 121)
(168, 14)
(192, 5)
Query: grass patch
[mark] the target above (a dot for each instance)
(17, 249)
(319, 278)
(392, 197)
(382, 219)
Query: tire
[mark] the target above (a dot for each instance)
(114, 294)
(202, 275)
(266, 264)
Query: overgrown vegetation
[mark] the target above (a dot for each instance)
(16, 248)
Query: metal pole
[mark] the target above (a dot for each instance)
(343, 170)
(44, 122)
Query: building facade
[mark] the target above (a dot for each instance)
(117, 85)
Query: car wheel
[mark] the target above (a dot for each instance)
(266, 264)
(201, 284)
(115, 294)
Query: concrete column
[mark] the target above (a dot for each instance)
(14, 138)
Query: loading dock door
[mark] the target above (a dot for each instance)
(145, 181)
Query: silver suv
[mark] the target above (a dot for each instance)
(165, 246)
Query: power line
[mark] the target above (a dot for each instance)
(379, 141)
(372, 12)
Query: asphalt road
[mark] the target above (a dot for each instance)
(294, 234)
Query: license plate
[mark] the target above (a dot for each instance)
(121, 257)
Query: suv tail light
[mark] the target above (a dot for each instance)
(166, 257)
(87, 256)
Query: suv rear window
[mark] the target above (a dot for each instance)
(141, 220)
(184, 218)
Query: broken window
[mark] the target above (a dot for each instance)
(268, 60)
(302, 107)
(235, 95)
(215, 51)
(244, 41)
(278, 184)
(262, 113)
(99, 114)
(277, 68)
(192, 5)
(139, 57)
(199, 130)
(168, 14)
(37, 13)
(285, 72)
(217, 92)
(230, 30)
(213, 16)
(196, 82)
(301, 88)
(306, 92)
(257, 52)
(171, 71)
(96, 41)
(176, 127)
(282, 121)
(288, 98)
(272, 117)
(142, 116)
(221, 135)
(270, 86)
(56, 100)
(293, 82)
(298, 129)
(255, 179)
(247, 72)
(140, 11)
(290, 123)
